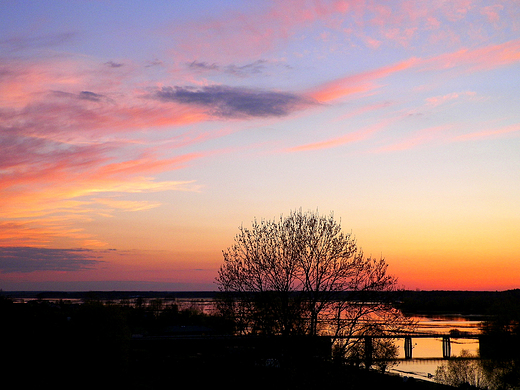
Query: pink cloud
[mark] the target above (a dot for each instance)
(364, 110)
(372, 42)
(356, 136)
(439, 134)
(492, 12)
(272, 25)
(348, 138)
(144, 164)
(456, 10)
(52, 171)
(424, 136)
(432, 22)
(46, 204)
(376, 23)
(438, 100)
(62, 149)
(484, 58)
(361, 82)
(400, 35)
(490, 133)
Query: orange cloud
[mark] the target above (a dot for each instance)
(60, 184)
(60, 151)
(127, 205)
(40, 231)
(42, 200)
(23, 81)
(63, 159)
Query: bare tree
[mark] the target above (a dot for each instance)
(464, 370)
(301, 274)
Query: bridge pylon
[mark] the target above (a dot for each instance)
(408, 347)
(446, 347)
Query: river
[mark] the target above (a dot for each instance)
(427, 353)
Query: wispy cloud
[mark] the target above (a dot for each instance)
(25, 42)
(112, 64)
(127, 205)
(492, 12)
(424, 136)
(468, 61)
(51, 178)
(494, 132)
(475, 60)
(235, 102)
(30, 259)
(67, 122)
(372, 23)
(249, 69)
(438, 100)
(63, 159)
(348, 138)
(479, 59)
(40, 185)
(360, 82)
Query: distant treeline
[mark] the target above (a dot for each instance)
(458, 302)
(413, 302)
(108, 295)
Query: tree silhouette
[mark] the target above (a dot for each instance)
(301, 275)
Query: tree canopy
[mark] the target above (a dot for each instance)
(301, 274)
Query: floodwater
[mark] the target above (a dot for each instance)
(427, 352)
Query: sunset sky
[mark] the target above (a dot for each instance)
(137, 136)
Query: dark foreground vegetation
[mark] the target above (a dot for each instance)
(100, 345)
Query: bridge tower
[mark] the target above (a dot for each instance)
(446, 347)
(408, 347)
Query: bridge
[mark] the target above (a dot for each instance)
(408, 345)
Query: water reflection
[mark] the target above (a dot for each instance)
(427, 352)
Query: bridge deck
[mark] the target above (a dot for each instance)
(418, 335)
